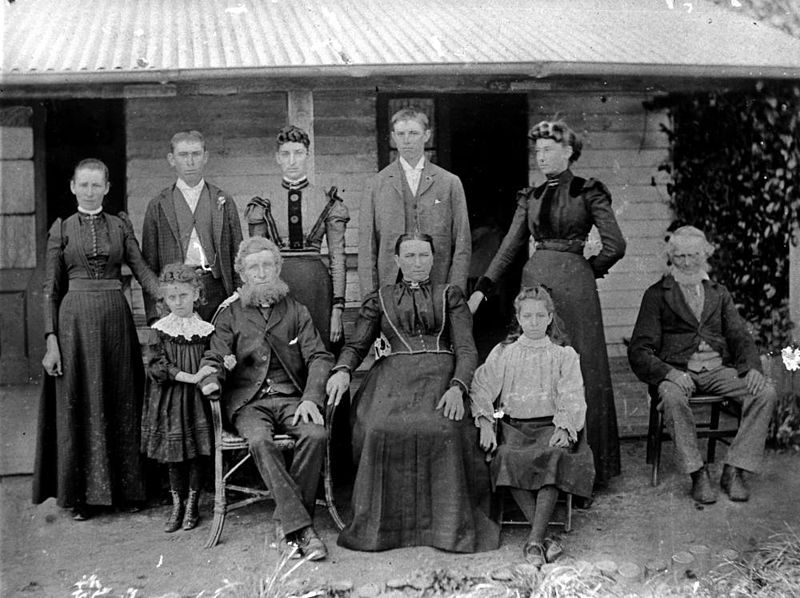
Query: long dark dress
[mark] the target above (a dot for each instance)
(422, 479)
(175, 420)
(90, 417)
(575, 204)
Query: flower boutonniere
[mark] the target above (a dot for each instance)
(229, 362)
(221, 202)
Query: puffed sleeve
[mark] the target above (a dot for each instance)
(255, 216)
(487, 384)
(335, 227)
(134, 259)
(597, 199)
(367, 329)
(159, 367)
(516, 238)
(570, 402)
(55, 282)
(459, 321)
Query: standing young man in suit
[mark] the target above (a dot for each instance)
(409, 195)
(195, 223)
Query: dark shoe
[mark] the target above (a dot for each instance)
(286, 547)
(173, 524)
(552, 550)
(733, 484)
(534, 553)
(312, 547)
(703, 491)
(192, 515)
(80, 513)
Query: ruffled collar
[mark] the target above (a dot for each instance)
(530, 343)
(192, 326)
(416, 285)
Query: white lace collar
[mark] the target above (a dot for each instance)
(539, 343)
(173, 325)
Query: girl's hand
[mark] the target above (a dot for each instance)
(453, 403)
(337, 329)
(560, 438)
(488, 440)
(52, 358)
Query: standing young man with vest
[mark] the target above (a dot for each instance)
(195, 223)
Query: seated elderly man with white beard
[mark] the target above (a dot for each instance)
(276, 385)
(689, 338)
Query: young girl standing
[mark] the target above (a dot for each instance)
(175, 423)
(541, 412)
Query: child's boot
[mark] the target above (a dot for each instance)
(174, 522)
(192, 515)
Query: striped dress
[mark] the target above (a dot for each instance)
(89, 418)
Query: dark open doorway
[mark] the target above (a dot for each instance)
(79, 129)
(482, 138)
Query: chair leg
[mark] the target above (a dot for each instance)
(652, 431)
(328, 484)
(216, 526)
(659, 427)
(712, 438)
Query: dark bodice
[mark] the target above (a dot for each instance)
(415, 319)
(575, 205)
(83, 248)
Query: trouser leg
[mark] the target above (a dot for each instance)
(680, 423)
(255, 422)
(747, 449)
(309, 455)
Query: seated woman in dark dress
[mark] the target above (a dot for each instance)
(422, 479)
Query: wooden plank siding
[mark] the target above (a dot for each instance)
(623, 146)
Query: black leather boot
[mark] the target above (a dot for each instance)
(192, 515)
(176, 516)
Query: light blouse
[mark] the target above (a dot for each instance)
(532, 378)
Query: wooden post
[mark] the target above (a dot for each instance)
(301, 113)
(794, 282)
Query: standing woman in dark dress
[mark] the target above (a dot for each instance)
(559, 214)
(90, 414)
(422, 479)
(296, 215)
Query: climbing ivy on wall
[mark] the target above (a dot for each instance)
(735, 170)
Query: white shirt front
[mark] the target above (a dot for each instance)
(195, 256)
(413, 173)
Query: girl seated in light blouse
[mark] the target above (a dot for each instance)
(537, 385)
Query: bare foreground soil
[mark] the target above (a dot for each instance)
(44, 552)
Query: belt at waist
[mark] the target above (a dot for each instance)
(567, 245)
(548, 419)
(92, 285)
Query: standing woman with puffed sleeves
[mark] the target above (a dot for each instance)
(87, 451)
(559, 214)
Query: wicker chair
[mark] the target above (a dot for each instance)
(226, 443)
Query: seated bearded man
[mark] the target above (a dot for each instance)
(689, 338)
(276, 385)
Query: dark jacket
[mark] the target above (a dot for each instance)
(580, 203)
(289, 336)
(667, 333)
(161, 240)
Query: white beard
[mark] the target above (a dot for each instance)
(256, 295)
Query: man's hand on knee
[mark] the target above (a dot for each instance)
(755, 381)
(308, 412)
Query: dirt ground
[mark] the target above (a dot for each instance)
(44, 552)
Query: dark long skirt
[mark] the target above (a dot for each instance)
(89, 418)
(422, 479)
(571, 282)
(524, 459)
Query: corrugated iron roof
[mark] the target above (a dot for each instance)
(176, 39)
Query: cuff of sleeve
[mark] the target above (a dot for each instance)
(341, 368)
(173, 372)
(338, 302)
(485, 286)
(484, 417)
